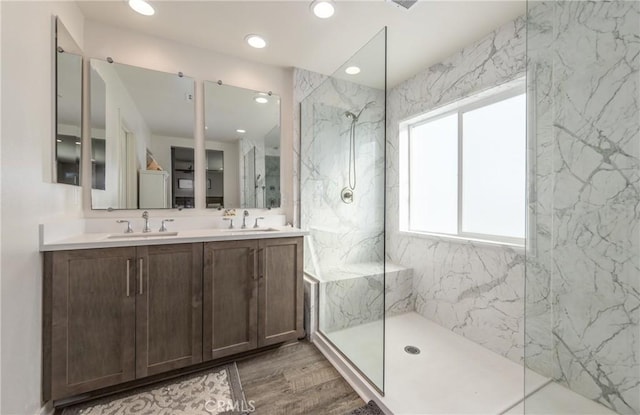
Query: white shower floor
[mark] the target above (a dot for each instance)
(451, 375)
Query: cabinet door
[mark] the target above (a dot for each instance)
(280, 300)
(230, 284)
(92, 320)
(168, 307)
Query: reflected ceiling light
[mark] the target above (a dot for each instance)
(323, 8)
(142, 7)
(241, 131)
(78, 142)
(256, 41)
(352, 70)
(58, 141)
(261, 98)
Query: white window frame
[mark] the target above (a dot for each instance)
(485, 98)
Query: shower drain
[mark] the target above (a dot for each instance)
(412, 350)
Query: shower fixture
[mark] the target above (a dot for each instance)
(347, 193)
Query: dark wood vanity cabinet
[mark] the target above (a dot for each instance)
(113, 315)
(89, 319)
(253, 295)
(230, 319)
(168, 308)
(280, 290)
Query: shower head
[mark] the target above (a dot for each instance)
(350, 115)
(353, 117)
(367, 105)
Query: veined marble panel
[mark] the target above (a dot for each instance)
(475, 290)
(586, 55)
(353, 294)
(342, 233)
(304, 83)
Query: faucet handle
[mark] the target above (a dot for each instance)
(129, 228)
(163, 228)
(255, 225)
(230, 222)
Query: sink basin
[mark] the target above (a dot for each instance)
(140, 235)
(249, 230)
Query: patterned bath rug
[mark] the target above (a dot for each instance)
(370, 408)
(215, 391)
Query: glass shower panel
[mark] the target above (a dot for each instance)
(342, 179)
(583, 240)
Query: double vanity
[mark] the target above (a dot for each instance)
(127, 301)
(121, 307)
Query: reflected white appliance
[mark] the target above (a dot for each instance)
(154, 189)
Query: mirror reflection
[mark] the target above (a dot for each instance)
(68, 142)
(142, 145)
(242, 138)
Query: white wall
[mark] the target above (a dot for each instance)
(120, 110)
(151, 52)
(27, 196)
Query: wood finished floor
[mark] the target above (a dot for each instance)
(296, 380)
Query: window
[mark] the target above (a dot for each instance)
(464, 169)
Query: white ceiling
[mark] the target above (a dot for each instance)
(417, 38)
(165, 101)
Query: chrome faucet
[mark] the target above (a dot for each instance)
(255, 225)
(163, 227)
(129, 228)
(244, 219)
(145, 216)
(230, 222)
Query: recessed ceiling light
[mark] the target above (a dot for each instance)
(142, 7)
(241, 131)
(322, 8)
(352, 70)
(261, 98)
(256, 41)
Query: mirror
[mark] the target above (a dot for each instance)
(242, 133)
(142, 144)
(68, 107)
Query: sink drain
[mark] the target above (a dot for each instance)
(412, 350)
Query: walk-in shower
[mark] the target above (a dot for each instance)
(545, 324)
(343, 149)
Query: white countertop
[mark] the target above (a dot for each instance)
(111, 240)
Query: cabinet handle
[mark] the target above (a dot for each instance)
(141, 263)
(252, 261)
(128, 278)
(260, 265)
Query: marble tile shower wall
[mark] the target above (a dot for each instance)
(304, 83)
(476, 291)
(583, 272)
(342, 233)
